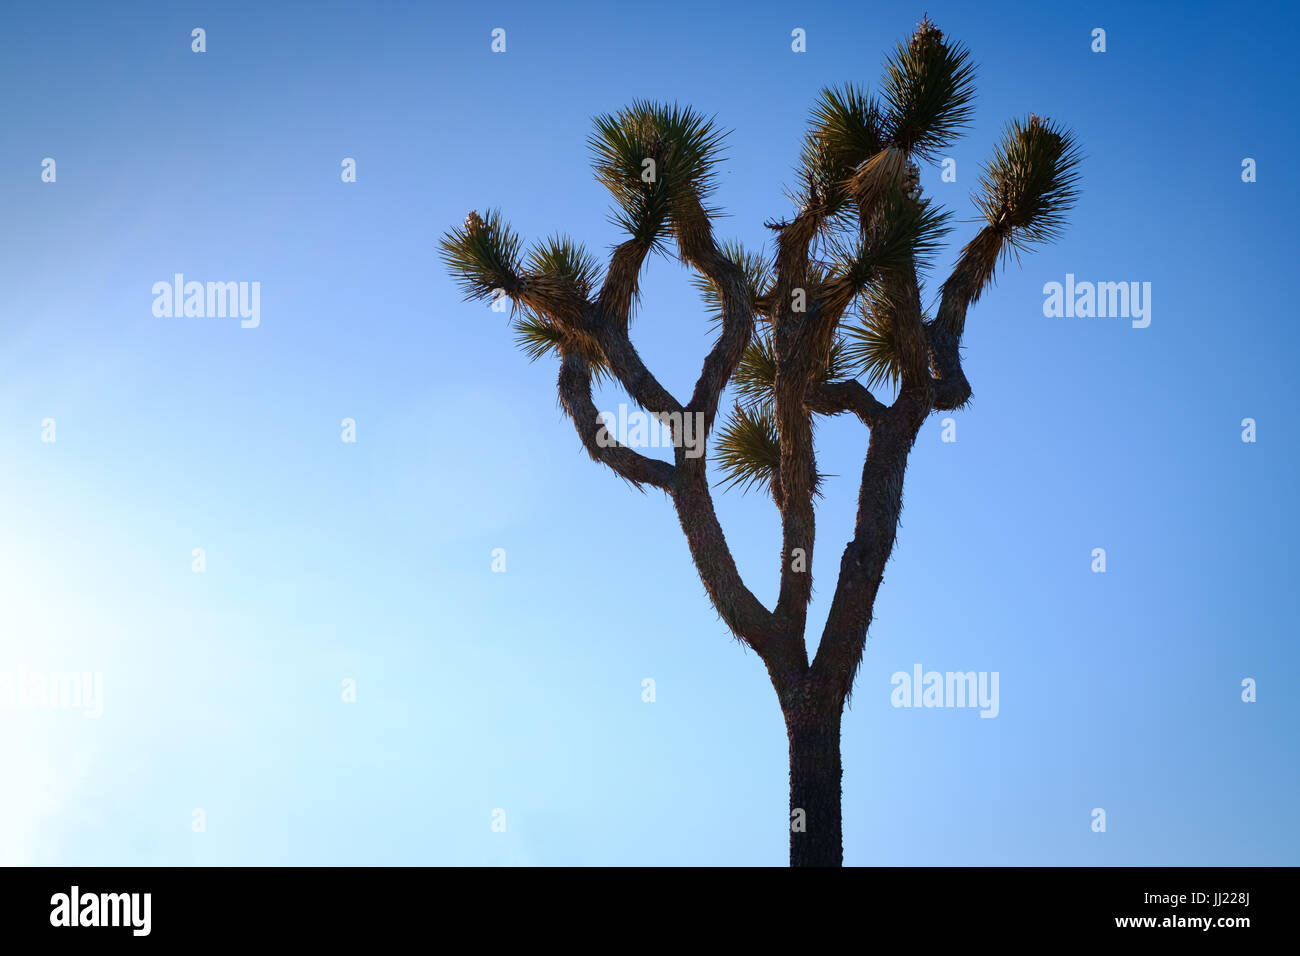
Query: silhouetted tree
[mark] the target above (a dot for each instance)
(837, 299)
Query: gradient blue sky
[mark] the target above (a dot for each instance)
(522, 690)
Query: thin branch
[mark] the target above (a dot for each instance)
(833, 398)
(575, 397)
(618, 293)
(699, 249)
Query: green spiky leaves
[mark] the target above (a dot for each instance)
(1025, 191)
(1031, 182)
(755, 375)
(748, 450)
(929, 90)
(562, 258)
(538, 336)
(656, 160)
(844, 132)
(546, 292)
(564, 273)
(482, 255)
(862, 235)
(869, 347)
(905, 234)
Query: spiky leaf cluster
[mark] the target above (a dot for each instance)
(755, 376)
(1024, 193)
(861, 212)
(684, 147)
(929, 90)
(482, 255)
(844, 132)
(561, 257)
(569, 272)
(1031, 182)
(748, 449)
(904, 234)
(870, 348)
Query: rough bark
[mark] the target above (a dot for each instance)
(816, 829)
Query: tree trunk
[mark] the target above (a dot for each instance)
(816, 837)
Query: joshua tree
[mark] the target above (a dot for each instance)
(836, 299)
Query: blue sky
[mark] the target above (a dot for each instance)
(521, 690)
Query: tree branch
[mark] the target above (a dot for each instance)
(949, 387)
(832, 398)
(575, 398)
(751, 622)
(908, 324)
(607, 323)
(699, 250)
(795, 370)
(974, 270)
(862, 567)
(622, 282)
